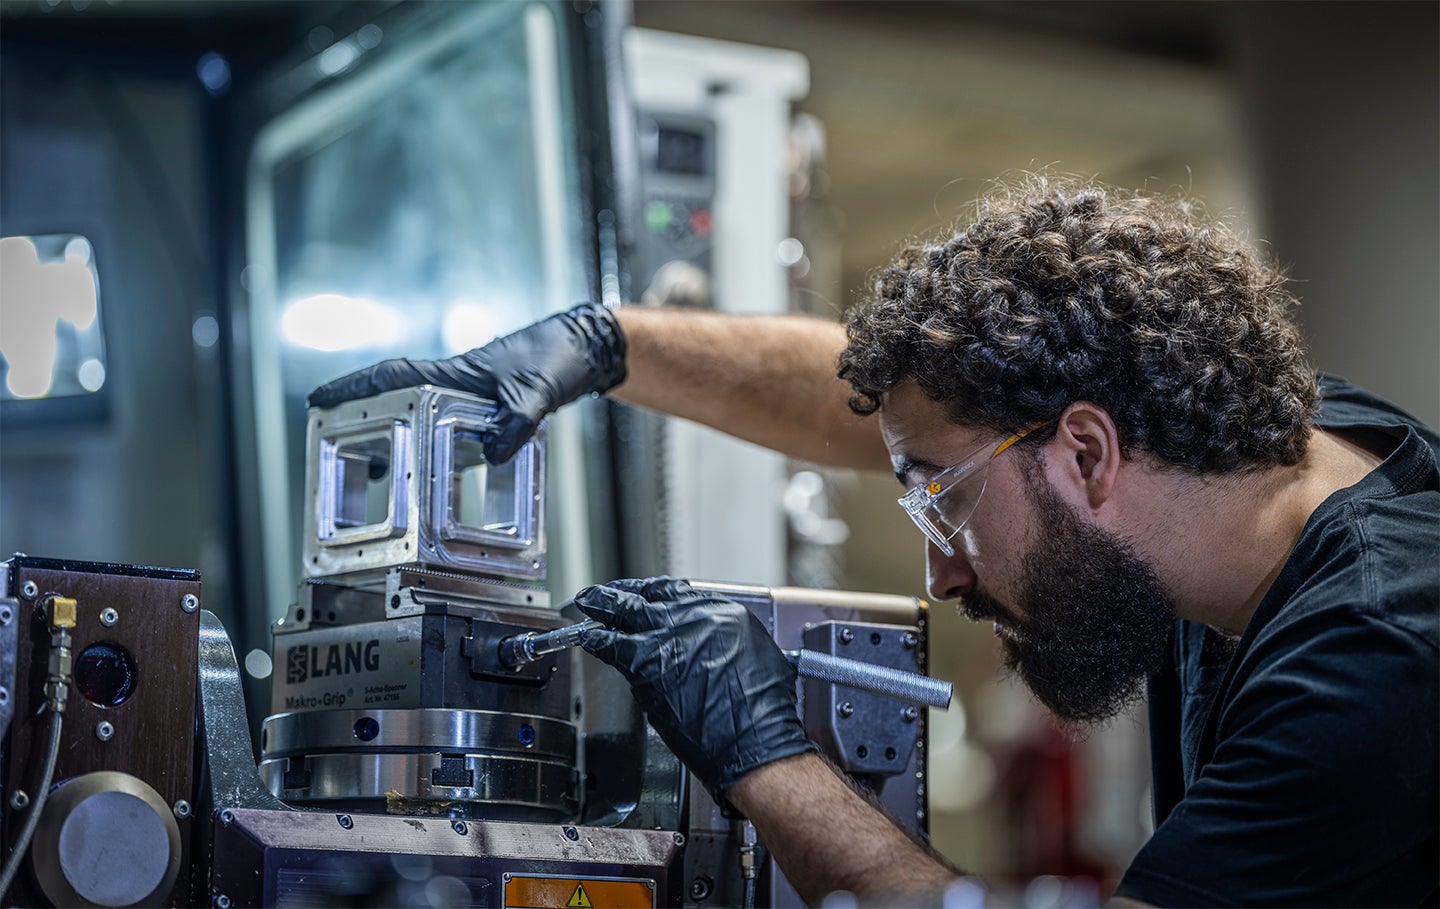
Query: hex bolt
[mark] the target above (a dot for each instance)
(108, 617)
(846, 635)
(570, 833)
(346, 821)
(459, 827)
(911, 714)
(104, 730)
(19, 800)
(181, 809)
(29, 591)
(222, 901)
(227, 817)
(189, 602)
(910, 639)
(846, 709)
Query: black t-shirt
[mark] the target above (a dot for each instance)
(1299, 766)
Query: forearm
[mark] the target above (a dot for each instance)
(826, 836)
(766, 379)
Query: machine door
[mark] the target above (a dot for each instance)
(416, 189)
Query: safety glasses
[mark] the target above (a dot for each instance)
(941, 506)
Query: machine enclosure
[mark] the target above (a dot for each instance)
(400, 752)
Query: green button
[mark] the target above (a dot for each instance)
(658, 216)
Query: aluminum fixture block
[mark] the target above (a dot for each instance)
(401, 479)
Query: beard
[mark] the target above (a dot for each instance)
(1097, 620)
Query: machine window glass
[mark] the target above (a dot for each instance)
(420, 201)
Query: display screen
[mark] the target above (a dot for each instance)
(680, 151)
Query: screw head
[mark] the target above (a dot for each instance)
(108, 617)
(700, 888)
(570, 833)
(222, 901)
(181, 809)
(104, 730)
(345, 821)
(227, 817)
(189, 602)
(29, 591)
(459, 827)
(19, 799)
(910, 640)
(679, 839)
(846, 635)
(846, 709)
(6, 614)
(911, 714)
(4, 695)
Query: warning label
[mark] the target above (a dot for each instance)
(531, 892)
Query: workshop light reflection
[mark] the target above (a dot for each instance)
(332, 322)
(35, 298)
(467, 325)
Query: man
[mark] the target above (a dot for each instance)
(1101, 410)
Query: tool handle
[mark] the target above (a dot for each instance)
(560, 638)
(882, 680)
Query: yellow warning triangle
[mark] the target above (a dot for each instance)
(579, 899)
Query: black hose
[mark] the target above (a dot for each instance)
(41, 794)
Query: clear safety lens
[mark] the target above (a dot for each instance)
(941, 507)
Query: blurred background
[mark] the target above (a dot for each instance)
(208, 208)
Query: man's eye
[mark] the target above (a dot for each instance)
(960, 497)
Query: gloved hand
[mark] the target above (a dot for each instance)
(711, 680)
(529, 374)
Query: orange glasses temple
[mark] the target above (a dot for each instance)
(1017, 437)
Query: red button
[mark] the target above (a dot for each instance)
(700, 222)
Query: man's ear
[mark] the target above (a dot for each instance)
(1086, 454)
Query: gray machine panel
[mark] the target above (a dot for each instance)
(276, 858)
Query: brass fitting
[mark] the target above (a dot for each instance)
(62, 611)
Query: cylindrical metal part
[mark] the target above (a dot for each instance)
(520, 649)
(447, 731)
(893, 683)
(474, 763)
(107, 839)
(560, 638)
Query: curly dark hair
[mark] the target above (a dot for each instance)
(1063, 290)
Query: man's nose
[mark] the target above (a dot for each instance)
(947, 577)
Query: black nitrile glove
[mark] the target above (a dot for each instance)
(709, 677)
(529, 374)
